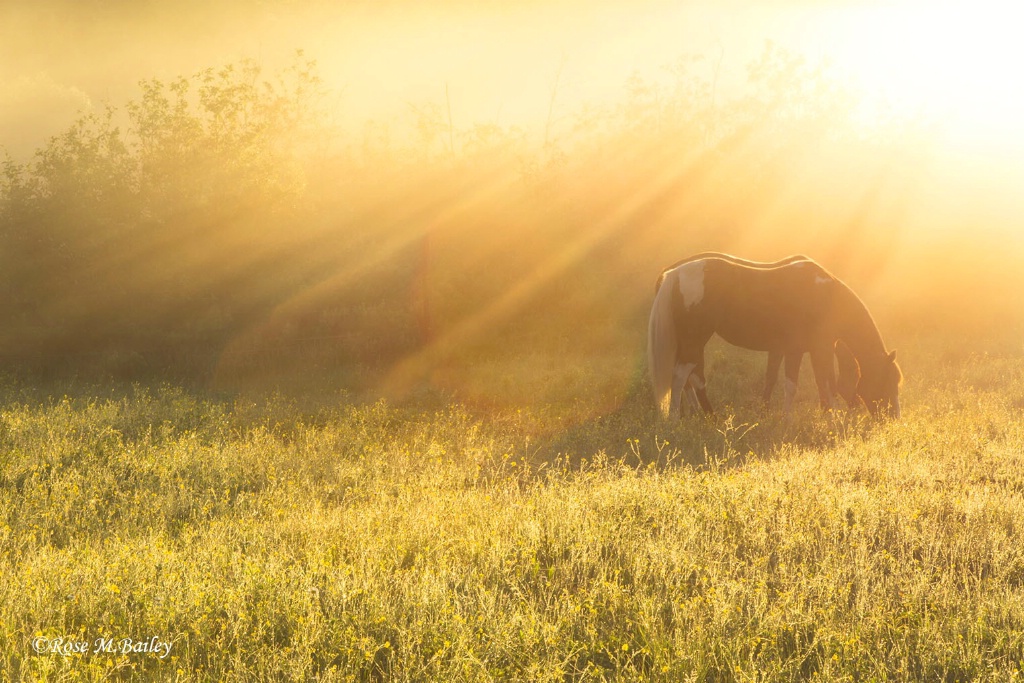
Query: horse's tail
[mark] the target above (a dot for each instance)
(661, 345)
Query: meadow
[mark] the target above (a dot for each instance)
(327, 538)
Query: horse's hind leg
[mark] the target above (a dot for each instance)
(771, 375)
(691, 396)
(699, 385)
(688, 381)
(681, 387)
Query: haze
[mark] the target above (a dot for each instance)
(883, 138)
(501, 61)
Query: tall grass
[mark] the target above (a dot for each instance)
(270, 539)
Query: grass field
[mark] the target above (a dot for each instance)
(326, 538)
(308, 382)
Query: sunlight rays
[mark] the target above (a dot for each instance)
(412, 225)
(421, 231)
(414, 368)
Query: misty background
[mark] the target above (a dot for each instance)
(387, 196)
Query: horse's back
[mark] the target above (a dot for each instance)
(758, 308)
(801, 285)
(722, 285)
(706, 255)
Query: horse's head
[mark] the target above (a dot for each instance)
(879, 386)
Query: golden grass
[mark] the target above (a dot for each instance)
(272, 540)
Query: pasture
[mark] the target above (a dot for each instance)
(330, 365)
(328, 538)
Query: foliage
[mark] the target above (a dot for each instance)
(146, 222)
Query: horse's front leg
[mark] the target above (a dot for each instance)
(849, 375)
(792, 378)
(823, 363)
(771, 375)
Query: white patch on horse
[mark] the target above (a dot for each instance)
(690, 277)
(822, 279)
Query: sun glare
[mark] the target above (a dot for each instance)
(954, 65)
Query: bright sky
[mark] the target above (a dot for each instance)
(958, 64)
(953, 63)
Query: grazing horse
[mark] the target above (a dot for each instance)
(848, 372)
(790, 308)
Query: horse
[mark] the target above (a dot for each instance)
(791, 308)
(848, 373)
